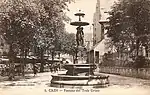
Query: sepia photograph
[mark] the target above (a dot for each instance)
(64, 47)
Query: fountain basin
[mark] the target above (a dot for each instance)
(62, 81)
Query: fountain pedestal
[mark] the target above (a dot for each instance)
(76, 69)
(79, 75)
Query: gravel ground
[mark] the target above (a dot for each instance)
(39, 85)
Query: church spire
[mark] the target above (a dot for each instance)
(96, 25)
(98, 9)
(98, 2)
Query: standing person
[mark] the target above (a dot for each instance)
(35, 69)
(51, 68)
(2, 71)
(55, 68)
(59, 66)
(11, 75)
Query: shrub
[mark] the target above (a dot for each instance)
(139, 62)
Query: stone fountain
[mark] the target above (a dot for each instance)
(79, 74)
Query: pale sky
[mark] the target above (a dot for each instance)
(88, 7)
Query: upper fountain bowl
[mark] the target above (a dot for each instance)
(79, 14)
(79, 23)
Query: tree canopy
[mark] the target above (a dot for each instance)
(36, 26)
(130, 24)
(25, 23)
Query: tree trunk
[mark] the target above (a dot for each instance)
(42, 61)
(24, 61)
(11, 73)
(137, 47)
(74, 59)
(146, 50)
(52, 57)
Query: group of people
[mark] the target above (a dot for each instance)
(11, 71)
(51, 67)
(54, 67)
(4, 70)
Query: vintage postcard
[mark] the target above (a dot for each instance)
(63, 47)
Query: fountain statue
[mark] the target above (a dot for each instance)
(79, 36)
(79, 74)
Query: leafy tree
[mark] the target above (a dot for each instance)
(51, 26)
(32, 24)
(16, 21)
(129, 25)
(68, 43)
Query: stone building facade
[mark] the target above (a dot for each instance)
(99, 38)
